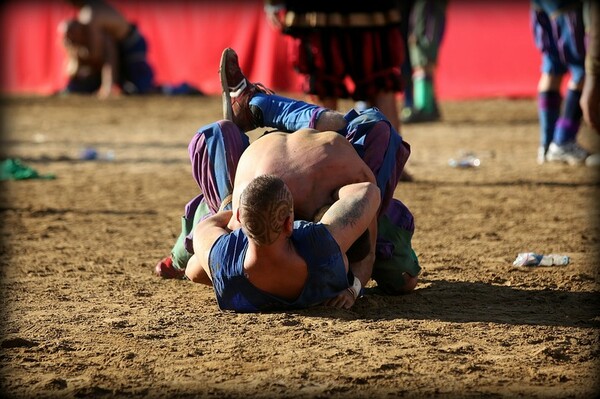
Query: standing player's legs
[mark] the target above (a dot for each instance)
(318, 56)
(564, 147)
(373, 60)
(426, 31)
(406, 67)
(214, 152)
(549, 102)
(560, 38)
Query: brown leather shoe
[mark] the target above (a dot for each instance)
(237, 92)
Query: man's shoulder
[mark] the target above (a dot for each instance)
(313, 239)
(304, 229)
(227, 245)
(226, 259)
(324, 259)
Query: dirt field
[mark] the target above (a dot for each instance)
(84, 316)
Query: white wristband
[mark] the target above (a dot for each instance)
(355, 289)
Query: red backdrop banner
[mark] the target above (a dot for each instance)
(487, 51)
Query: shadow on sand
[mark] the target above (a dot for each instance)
(467, 302)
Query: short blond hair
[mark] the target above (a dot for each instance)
(264, 206)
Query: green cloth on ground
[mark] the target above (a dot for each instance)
(14, 169)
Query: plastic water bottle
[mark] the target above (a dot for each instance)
(467, 161)
(88, 154)
(554, 260)
(109, 155)
(92, 154)
(533, 259)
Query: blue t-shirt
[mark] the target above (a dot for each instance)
(327, 274)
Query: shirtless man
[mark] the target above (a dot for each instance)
(131, 74)
(87, 74)
(382, 150)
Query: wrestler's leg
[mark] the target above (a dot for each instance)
(195, 211)
(251, 105)
(173, 266)
(289, 115)
(380, 147)
(196, 272)
(214, 152)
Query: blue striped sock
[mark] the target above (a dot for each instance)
(568, 124)
(548, 113)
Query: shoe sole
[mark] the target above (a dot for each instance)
(568, 161)
(226, 98)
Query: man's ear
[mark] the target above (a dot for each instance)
(237, 215)
(288, 225)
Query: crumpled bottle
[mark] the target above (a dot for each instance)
(533, 259)
(91, 154)
(468, 160)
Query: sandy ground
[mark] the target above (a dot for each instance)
(84, 316)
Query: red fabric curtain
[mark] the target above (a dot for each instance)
(487, 51)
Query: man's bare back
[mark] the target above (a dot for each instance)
(312, 164)
(102, 16)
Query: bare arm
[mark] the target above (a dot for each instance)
(110, 69)
(354, 212)
(72, 63)
(206, 234)
(96, 42)
(351, 214)
(363, 268)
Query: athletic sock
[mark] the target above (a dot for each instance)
(567, 125)
(423, 93)
(284, 113)
(548, 113)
